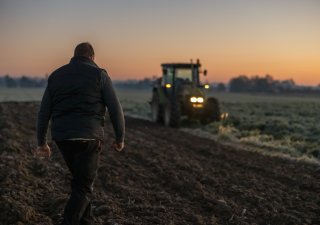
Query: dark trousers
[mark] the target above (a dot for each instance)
(82, 159)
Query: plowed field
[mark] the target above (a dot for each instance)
(164, 176)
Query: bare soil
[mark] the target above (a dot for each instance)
(164, 176)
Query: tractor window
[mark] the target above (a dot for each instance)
(184, 75)
(168, 76)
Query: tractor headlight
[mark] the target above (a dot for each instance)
(196, 99)
(200, 99)
(193, 99)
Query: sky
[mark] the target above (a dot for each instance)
(132, 38)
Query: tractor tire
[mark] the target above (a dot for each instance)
(156, 114)
(172, 114)
(212, 111)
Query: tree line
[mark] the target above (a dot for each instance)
(267, 84)
(34, 82)
(239, 84)
(23, 81)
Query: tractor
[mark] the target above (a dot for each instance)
(179, 93)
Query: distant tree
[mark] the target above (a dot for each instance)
(262, 84)
(10, 82)
(240, 84)
(27, 82)
(2, 82)
(221, 87)
(288, 84)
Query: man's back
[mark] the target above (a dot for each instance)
(75, 98)
(78, 107)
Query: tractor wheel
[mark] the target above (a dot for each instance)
(172, 114)
(212, 111)
(156, 108)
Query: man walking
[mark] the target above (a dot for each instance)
(75, 100)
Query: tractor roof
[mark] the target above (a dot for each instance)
(180, 65)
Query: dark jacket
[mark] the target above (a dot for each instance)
(75, 99)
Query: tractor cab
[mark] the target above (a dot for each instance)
(179, 74)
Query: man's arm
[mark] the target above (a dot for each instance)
(115, 110)
(44, 115)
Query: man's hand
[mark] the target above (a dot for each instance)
(117, 146)
(43, 151)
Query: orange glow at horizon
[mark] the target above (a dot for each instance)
(306, 73)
